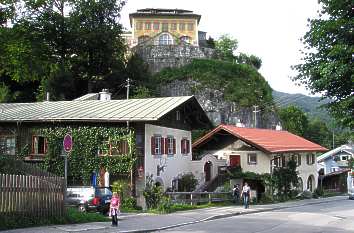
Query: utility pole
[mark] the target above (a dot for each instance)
(255, 115)
(128, 87)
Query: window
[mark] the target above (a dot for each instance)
(165, 27)
(173, 26)
(276, 162)
(182, 26)
(170, 145)
(252, 158)
(190, 26)
(147, 26)
(139, 26)
(39, 145)
(120, 147)
(310, 159)
(344, 158)
(297, 159)
(186, 39)
(157, 145)
(8, 145)
(185, 147)
(156, 26)
(165, 39)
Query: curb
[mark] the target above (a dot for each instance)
(220, 216)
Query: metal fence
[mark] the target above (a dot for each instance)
(35, 196)
(198, 197)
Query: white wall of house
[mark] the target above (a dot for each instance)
(197, 167)
(175, 165)
(307, 171)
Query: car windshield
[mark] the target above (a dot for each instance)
(103, 192)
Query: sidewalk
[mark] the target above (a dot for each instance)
(130, 223)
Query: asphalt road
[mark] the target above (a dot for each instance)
(332, 217)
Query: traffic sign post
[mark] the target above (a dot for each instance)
(67, 146)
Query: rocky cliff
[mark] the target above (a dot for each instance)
(218, 109)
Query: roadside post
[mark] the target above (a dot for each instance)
(67, 146)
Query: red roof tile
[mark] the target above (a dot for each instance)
(270, 141)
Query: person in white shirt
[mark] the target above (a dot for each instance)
(246, 195)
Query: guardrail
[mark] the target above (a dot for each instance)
(198, 197)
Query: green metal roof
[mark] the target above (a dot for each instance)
(150, 109)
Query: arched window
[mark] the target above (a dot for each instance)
(185, 39)
(165, 39)
(142, 39)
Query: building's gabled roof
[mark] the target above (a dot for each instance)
(151, 109)
(346, 148)
(266, 140)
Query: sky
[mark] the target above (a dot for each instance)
(269, 29)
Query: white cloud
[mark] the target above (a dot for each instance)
(268, 29)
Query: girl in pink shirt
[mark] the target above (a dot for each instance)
(114, 208)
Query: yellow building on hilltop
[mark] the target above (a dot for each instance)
(164, 27)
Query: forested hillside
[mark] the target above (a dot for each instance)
(308, 104)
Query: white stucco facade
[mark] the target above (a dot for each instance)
(174, 165)
(263, 165)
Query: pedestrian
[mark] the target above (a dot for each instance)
(246, 195)
(236, 193)
(114, 208)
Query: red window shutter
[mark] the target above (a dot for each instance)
(182, 148)
(166, 145)
(188, 147)
(174, 146)
(153, 145)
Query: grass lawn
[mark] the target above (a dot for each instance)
(72, 216)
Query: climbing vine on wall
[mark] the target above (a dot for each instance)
(88, 143)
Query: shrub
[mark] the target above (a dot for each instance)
(165, 205)
(129, 203)
(152, 193)
(187, 183)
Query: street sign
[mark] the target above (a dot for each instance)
(68, 143)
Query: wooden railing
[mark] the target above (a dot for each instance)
(36, 196)
(198, 197)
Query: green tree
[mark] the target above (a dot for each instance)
(294, 120)
(225, 47)
(4, 93)
(239, 83)
(210, 42)
(318, 132)
(65, 47)
(284, 178)
(252, 60)
(328, 58)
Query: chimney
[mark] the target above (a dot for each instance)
(105, 95)
(278, 127)
(47, 98)
(239, 124)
